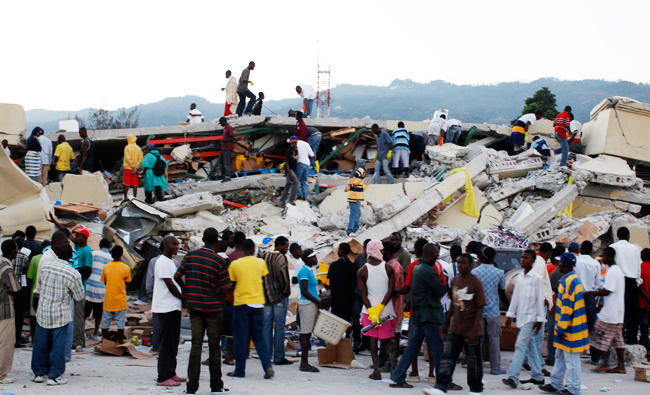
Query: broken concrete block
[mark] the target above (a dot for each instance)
(202, 220)
(89, 189)
(512, 168)
(263, 209)
(53, 191)
(547, 210)
(454, 217)
(301, 213)
(638, 229)
(607, 170)
(507, 189)
(192, 203)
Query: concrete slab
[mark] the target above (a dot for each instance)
(453, 217)
(88, 189)
(607, 170)
(191, 203)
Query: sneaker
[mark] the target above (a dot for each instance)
(283, 362)
(269, 373)
(532, 380)
(38, 379)
(509, 382)
(433, 391)
(548, 388)
(497, 372)
(454, 387)
(78, 349)
(57, 381)
(221, 391)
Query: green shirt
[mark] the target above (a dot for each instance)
(32, 274)
(425, 292)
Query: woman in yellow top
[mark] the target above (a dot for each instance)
(355, 188)
(62, 157)
(132, 161)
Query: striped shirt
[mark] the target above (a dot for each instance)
(400, 139)
(571, 315)
(561, 124)
(33, 164)
(95, 289)
(8, 282)
(206, 274)
(277, 285)
(57, 284)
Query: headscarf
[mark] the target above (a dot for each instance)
(374, 249)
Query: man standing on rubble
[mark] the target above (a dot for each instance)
(227, 146)
(305, 156)
(63, 155)
(46, 156)
(167, 303)
(277, 288)
(290, 190)
(155, 175)
(308, 94)
(206, 279)
(87, 158)
(132, 161)
(575, 144)
(244, 92)
(57, 286)
(247, 275)
(519, 133)
(382, 163)
(562, 133)
(232, 99)
(628, 259)
(354, 188)
(400, 148)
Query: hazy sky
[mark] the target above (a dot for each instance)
(68, 55)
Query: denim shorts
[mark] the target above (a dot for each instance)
(108, 316)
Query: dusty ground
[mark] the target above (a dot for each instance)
(95, 374)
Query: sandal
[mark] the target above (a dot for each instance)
(309, 368)
(400, 385)
(616, 370)
(375, 376)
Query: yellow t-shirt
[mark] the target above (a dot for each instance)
(247, 272)
(64, 153)
(115, 275)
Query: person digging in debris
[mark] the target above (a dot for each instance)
(376, 280)
(132, 161)
(401, 149)
(115, 275)
(308, 94)
(355, 188)
(519, 133)
(155, 174)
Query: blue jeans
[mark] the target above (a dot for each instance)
(309, 106)
(526, 346)
(274, 337)
(69, 337)
(564, 149)
(355, 216)
(453, 134)
(590, 306)
(248, 323)
(314, 142)
(417, 334)
(550, 327)
(302, 172)
(566, 363)
(242, 101)
(48, 356)
(383, 165)
(453, 346)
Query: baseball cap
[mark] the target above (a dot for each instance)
(568, 259)
(82, 231)
(574, 247)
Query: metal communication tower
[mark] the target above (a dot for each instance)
(323, 97)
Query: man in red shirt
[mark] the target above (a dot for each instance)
(562, 134)
(227, 146)
(644, 300)
(301, 128)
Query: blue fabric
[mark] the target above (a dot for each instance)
(48, 355)
(566, 363)
(417, 334)
(526, 347)
(302, 172)
(400, 139)
(550, 327)
(453, 134)
(308, 107)
(564, 149)
(312, 284)
(383, 165)
(69, 335)
(95, 289)
(82, 257)
(108, 316)
(492, 279)
(314, 142)
(274, 334)
(248, 323)
(355, 216)
(384, 144)
(541, 146)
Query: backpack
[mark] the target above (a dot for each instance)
(159, 167)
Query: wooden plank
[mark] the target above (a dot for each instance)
(342, 132)
(75, 208)
(184, 140)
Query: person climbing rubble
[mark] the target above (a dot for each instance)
(308, 94)
(400, 148)
(354, 188)
(562, 133)
(519, 134)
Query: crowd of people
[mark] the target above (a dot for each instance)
(238, 293)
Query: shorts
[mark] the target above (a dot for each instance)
(605, 334)
(308, 313)
(95, 308)
(130, 178)
(385, 331)
(120, 318)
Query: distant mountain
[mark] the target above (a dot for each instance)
(402, 99)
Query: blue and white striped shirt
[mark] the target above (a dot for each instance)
(400, 139)
(95, 289)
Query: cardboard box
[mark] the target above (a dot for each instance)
(337, 356)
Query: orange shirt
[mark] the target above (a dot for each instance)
(115, 275)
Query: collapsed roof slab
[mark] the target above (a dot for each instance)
(513, 168)
(635, 196)
(432, 196)
(545, 211)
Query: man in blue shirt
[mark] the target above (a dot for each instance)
(494, 284)
(82, 260)
(384, 144)
(401, 151)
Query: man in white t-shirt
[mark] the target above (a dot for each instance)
(435, 127)
(167, 303)
(305, 154)
(628, 259)
(588, 271)
(46, 157)
(194, 116)
(308, 94)
(608, 330)
(575, 143)
(452, 129)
